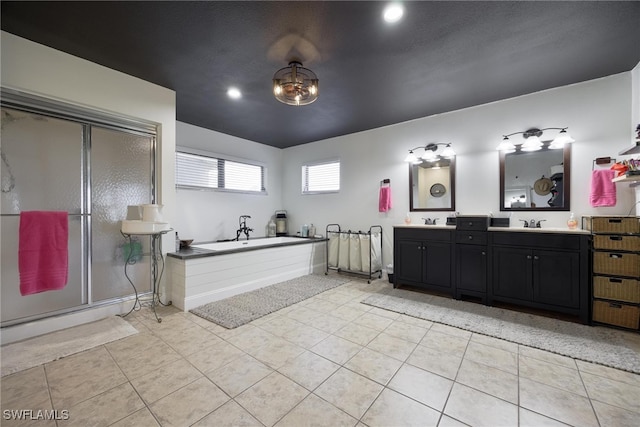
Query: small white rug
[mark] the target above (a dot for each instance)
(601, 345)
(47, 348)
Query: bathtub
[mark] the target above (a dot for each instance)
(213, 271)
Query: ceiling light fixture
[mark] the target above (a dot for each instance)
(430, 154)
(295, 85)
(533, 142)
(393, 13)
(234, 93)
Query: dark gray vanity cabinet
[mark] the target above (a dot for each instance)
(423, 258)
(547, 271)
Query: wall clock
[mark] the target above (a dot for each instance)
(437, 190)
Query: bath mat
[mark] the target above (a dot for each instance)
(600, 345)
(47, 348)
(243, 308)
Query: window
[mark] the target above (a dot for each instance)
(321, 177)
(204, 172)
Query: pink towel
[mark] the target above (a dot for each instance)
(384, 203)
(43, 251)
(603, 190)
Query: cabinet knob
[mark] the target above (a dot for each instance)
(470, 237)
(484, 253)
(536, 257)
(528, 256)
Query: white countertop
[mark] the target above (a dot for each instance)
(512, 229)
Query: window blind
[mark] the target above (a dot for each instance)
(321, 177)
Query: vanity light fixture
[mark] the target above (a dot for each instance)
(533, 142)
(295, 85)
(430, 154)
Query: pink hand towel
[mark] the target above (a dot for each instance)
(43, 251)
(384, 202)
(603, 190)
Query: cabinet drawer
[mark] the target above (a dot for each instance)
(477, 223)
(537, 239)
(437, 235)
(611, 224)
(471, 237)
(617, 243)
(616, 263)
(618, 289)
(627, 316)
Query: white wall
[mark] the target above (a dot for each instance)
(597, 113)
(213, 215)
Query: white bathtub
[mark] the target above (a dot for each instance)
(220, 270)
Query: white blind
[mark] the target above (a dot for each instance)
(321, 177)
(199, 171)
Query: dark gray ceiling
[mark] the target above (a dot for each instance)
(441, 57)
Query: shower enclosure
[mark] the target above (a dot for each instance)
(61, 158)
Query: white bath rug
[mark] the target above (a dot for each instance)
(605, 346)
(241, 309)
(47, 348)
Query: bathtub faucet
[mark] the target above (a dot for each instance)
(243, 227)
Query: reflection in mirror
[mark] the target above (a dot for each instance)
(535, 180)
(432, 186)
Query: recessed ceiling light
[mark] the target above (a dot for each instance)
(234, 93)
(393, 13)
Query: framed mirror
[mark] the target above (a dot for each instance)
(536, 180)
(432, 186)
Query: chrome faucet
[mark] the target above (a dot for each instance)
(243, 227)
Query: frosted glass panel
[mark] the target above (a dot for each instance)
(121, 171)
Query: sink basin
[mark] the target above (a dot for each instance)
(143, 227)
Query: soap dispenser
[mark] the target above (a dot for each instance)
(572, 222)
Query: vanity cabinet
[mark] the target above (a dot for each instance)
(471, 257)
(541, 270)
(423, 258)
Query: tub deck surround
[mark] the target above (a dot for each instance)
(199, 275)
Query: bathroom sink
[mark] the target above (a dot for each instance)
(143, 227)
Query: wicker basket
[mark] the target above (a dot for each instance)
(627, 316)
(617, 289)
(612, 224)
(616, 263)
(617, 243)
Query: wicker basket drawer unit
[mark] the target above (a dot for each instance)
(626, 316)
(616, 242)
(618, 289)
(610, 224)
(616, 263)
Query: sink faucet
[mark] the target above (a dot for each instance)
(429, 221)
(532, 223)
(243, 227)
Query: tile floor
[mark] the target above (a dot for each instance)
(327, 361)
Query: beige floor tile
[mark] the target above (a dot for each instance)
(336, 297)
(336, 349)
(447, 421)
(605, 371)
(551, 374)
(280, 325)
(558, 404)
(613, 416)
(327, 323)
(494, 357)
(272, 398)
(277, 352)
(165, 380)
(373, 321)
(425, 387)
(358, 334)
(392, 346)
(229, 414)
(141, 354)
(422, 323)
(394, 409)
(350, 392)
(252, 339)
(346, 312)
(450, 330)
(613, 392)
(189, 404)
(309, 370)
(402, 330)
(305, 336)
(228, 333)
(384, 313)
(495, 342)
(214, 356)
(322, 305)
(238, 375)
(140, 418)
(13, 411)
(445, 343)
(188, 339)
(489, 380)
(531, 419)
(480, 409)
(303, 314)
(106, 408)
(373, 365)
(22, 384)
(432, 360)
(546, 356)
(315, 412)
(82, 376)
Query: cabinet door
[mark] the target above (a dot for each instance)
(437, 270)
(471, 267)
(556, 278)
(409, 261)
(512, 277)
